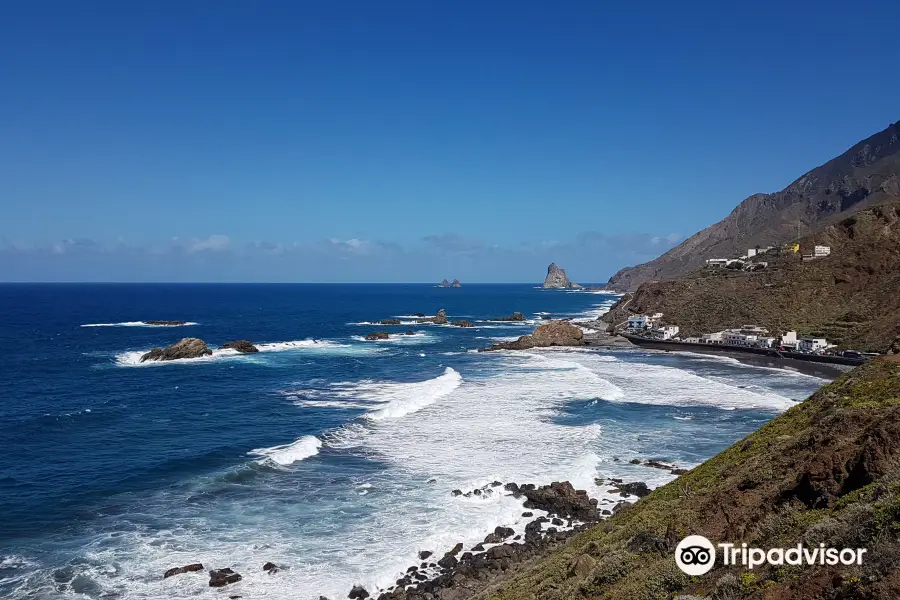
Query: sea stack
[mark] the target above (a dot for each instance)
(186, 348)
(444, 283)
(557, 279)
(456, 283)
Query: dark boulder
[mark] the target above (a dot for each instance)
(242, 346)
(638, 488)
(358, 592)
(222, 577)
(378, 335)
(389, 322)
(463, 323)
(186, 348)
(562, 499)
(410, 332)
(185, 569)
(516, 316)
(439, 319)
(270, 567)
(448, 561)
(165, 323)
(499, 534)
(424, 554)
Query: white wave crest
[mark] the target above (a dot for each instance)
(137, 324)
(288, 454)
(132, 358)
(419, 337)
(401, 399)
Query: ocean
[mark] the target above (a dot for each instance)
(332, 456)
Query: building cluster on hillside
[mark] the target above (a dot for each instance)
(745, 336)
(746, 264)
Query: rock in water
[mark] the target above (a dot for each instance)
(456, 283)
(358, 592)
(516, 316)
(557, 279)
(222, 577)
(389, 322)
(444, 283)
(562, 499)
(378, 335)
(638, 488)
(184, 569)
(439, 319)
(554, 333)
(242, 346)
(166, 323)
(463, 323)
(186, 348)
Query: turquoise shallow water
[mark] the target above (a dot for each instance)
(325, 453)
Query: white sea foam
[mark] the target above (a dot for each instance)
(132, 358)
(663, 385)
(137, 324)
(417, 338)
(288, 454)
(508, 419)
(401, 399)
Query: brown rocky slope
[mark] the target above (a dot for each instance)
(865, 175)
(826, 471)
(851, 297)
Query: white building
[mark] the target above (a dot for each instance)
(755, 329)
(665, 333)
(765, 342)
(711, 338)
(735, 337)
(789, 340)
(717, 262)
(812, 344)
(637, 322)
(820, 251)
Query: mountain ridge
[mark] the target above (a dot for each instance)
(865, 175)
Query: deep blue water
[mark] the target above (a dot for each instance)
(317, 452)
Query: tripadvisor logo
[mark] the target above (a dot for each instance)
(696, 555)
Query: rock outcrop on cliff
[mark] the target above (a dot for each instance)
(186, 348)
(557, 279)
(554, 333)
(864, 176)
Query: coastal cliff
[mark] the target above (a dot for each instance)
(826, 471)
(864, 176)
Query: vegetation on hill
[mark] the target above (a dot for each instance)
(852, 297)
(826, 471)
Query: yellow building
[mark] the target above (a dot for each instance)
(795, 247)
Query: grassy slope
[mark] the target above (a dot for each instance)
(827, 470)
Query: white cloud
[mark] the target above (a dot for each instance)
(214, 243)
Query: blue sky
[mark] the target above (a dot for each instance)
(412, 141)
